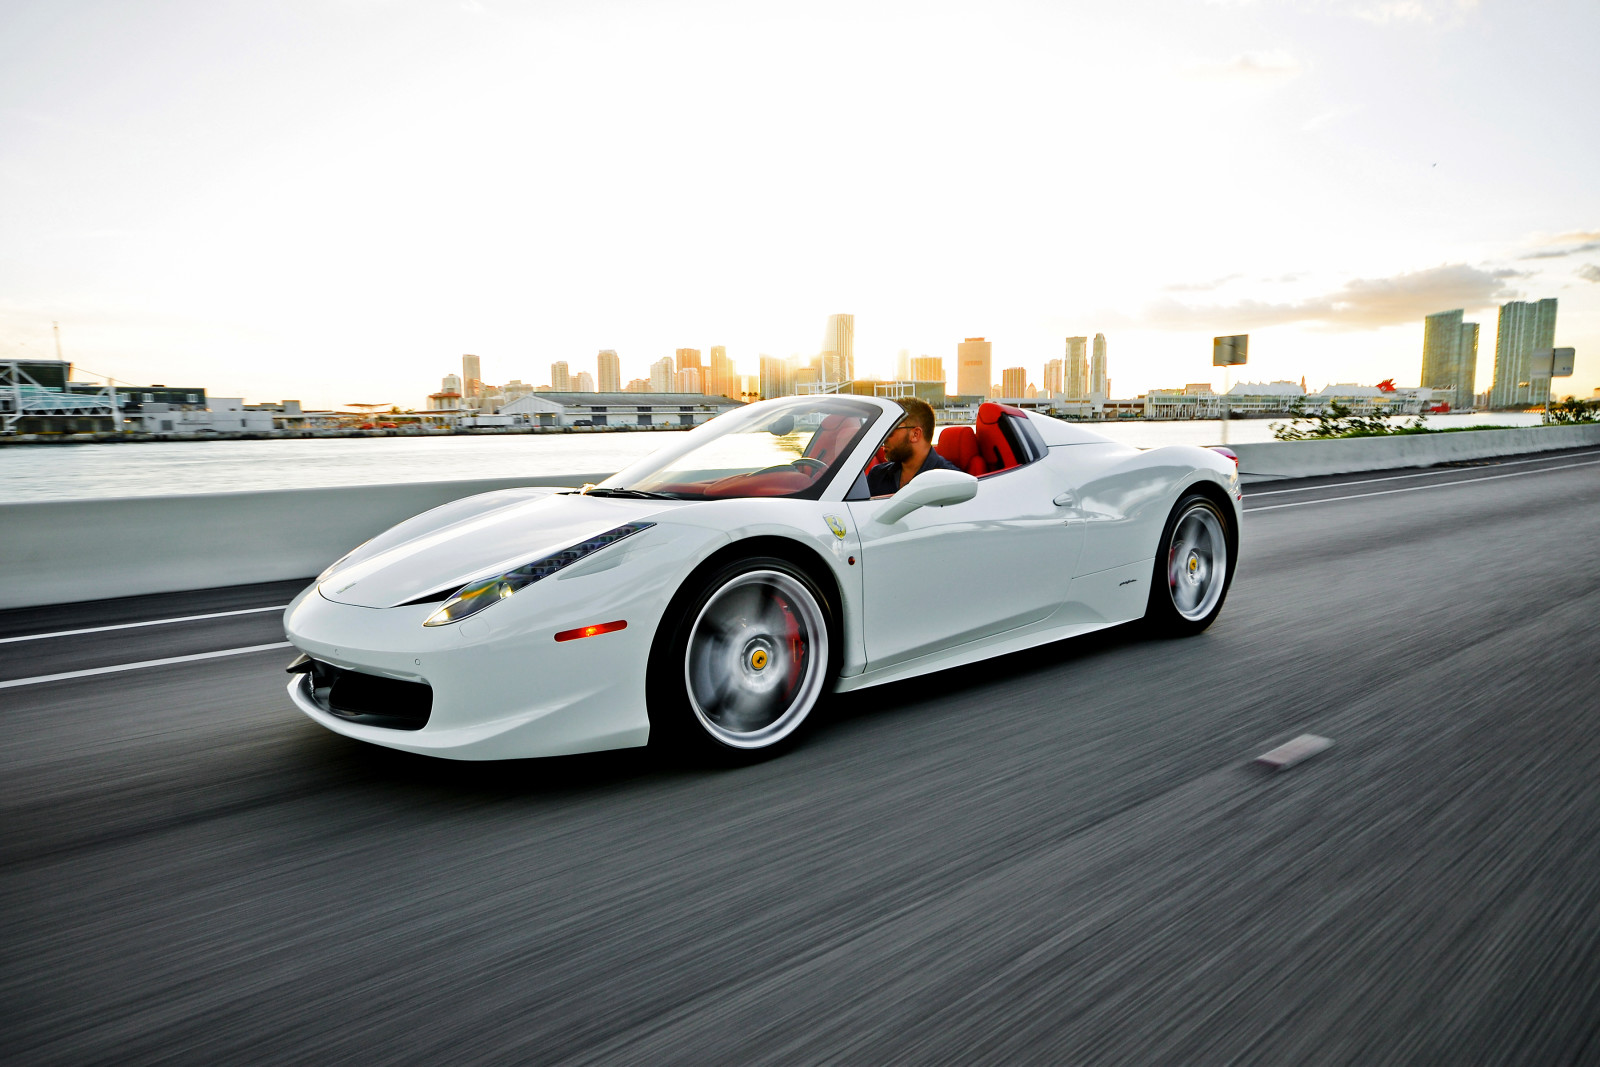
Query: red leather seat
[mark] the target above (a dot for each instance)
(959, 445)
(993, 448)
(831, 437)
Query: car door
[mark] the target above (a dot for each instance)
(944, 577)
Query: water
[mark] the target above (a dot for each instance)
(66, 472)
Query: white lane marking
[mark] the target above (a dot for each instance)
(1424, 474)
(1418, 488)
(152, 622)
(1288, 754)
(41, 679)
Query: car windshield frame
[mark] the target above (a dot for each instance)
(725, 458)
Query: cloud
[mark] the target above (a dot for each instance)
(1589, 272)
(1575, 241)
(1360, 304)
(1247, 67)
(1384, 12)
(1199, 287)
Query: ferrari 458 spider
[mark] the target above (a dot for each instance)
(714, 592)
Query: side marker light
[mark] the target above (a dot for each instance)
(591, 631)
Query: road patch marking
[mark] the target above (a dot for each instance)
(141, 665)
(1287, 755)
(151, 622)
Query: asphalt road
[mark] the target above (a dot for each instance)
(1061, 856)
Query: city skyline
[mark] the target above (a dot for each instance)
(1368, 164)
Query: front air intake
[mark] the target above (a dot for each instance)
(365, 699)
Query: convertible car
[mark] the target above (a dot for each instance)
(713, 593)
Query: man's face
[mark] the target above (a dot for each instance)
(900, 445)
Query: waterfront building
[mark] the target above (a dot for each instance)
(972, 367)
(471, 378)
(610, 367)
(721, 377)
(902, 365)
(1076, 386)
(839, 349)
(514, 388)
(688, 357)
(777, 377)
(661, 375)
(637, 385)
(585, 383)
(687, 380)
(1525, 326)
(1014, 382)
(560, 376)
(642, 410)
(926, 369)
(1450, 355)
(1099, 384)
(1054, 378)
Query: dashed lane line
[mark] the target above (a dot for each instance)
(150, 622)
(43, 678)
(1422, 474)
(1419, 488)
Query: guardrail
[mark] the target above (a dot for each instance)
(58, 551)
(54, 552)
(1306, 459)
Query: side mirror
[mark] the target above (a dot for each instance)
(932, 489)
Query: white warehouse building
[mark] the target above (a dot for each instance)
(648, 410)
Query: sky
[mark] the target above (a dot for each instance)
(333, 200)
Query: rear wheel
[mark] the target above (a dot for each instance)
(1192, 568)
(742, 660)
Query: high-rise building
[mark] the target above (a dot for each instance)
(687, 380)
(839, 349)
(450, 383)
(972, 367)
(1525, 326)
(1450, 356)
(584, 383)
(471, 378)
(1077, 384)
(662, 375)
(560, 377)
(637, 385)
(1099, 384)
(926, 369)
(689, 357)
(610, 371)
(777, 377)
(902, 366)
(1053, 378)
(1014, 382)
(721, 378)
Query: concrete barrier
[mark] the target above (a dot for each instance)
(1275, 460)
(60, 551)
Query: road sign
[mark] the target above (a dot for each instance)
(1230, 351)
(1551, 363)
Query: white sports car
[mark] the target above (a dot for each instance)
(713, 593)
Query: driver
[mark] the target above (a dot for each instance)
(909, 448)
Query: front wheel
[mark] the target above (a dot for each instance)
(742, 660)
(1192, 568)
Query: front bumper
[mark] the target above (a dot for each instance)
(502, 686)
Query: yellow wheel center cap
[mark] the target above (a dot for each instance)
(1194, 564)
(758, 659)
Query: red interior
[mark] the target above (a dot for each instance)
(959, 445)
(993, 448)
(832, 437)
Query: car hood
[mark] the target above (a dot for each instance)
(441, 550)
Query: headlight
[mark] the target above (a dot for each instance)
(474, 597)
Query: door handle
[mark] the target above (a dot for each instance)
(1064, 500)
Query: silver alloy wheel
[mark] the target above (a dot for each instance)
(756, 657)
(1197, 562)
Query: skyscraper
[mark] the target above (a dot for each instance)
(839, 349)
(1077, 385)
(972, 367)
(1013, 382)
(610, 371)
(1098, 383)
(687, 380)
(1053, 378)
(584, 382)
(926, 369)
(777, 377)
(1524, 327)
(662, 375)
(689, 357)
(471, 378)
(1450, 355)
(902, 365)
(721, 380)
(560, 377)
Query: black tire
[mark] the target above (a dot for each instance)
(1193, 568)
(745, 654)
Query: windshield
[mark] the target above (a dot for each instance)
(788, 447)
